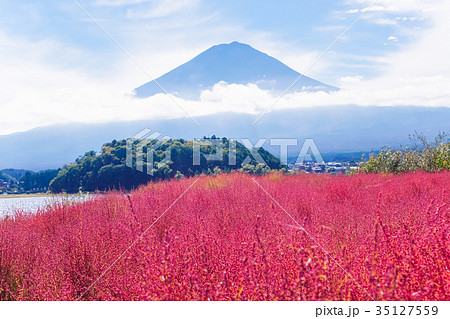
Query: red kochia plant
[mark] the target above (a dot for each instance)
(385, 237)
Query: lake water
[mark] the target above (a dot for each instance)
(8, 206)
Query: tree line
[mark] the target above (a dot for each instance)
(24, 181)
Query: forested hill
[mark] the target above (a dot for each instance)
(109, 170)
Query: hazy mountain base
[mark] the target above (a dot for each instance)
(336, 129)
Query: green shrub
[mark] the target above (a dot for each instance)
(421, 155)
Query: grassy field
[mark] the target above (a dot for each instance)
(239, 237)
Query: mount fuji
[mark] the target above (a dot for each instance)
(233, 63)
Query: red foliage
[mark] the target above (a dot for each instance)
(226, 239)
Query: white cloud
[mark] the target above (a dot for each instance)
(409, 18)
(384, 21)
(427, 55)
(398, 5)
(151, 8)
(162, 8)
(116, 3)
(373, 9)
(350, 79)
(421, 63)
(382, 12)
(330, 28)
(368, 9)
(392, 38)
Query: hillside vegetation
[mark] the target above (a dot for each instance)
(108, 169)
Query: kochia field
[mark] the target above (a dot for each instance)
(238, 237)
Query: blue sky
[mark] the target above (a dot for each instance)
(142, 26)
(68, 66)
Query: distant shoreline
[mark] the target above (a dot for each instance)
(46, 195)
(27, 195)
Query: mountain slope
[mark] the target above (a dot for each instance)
(234, 63)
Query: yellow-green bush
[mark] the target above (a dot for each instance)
(421, 155)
